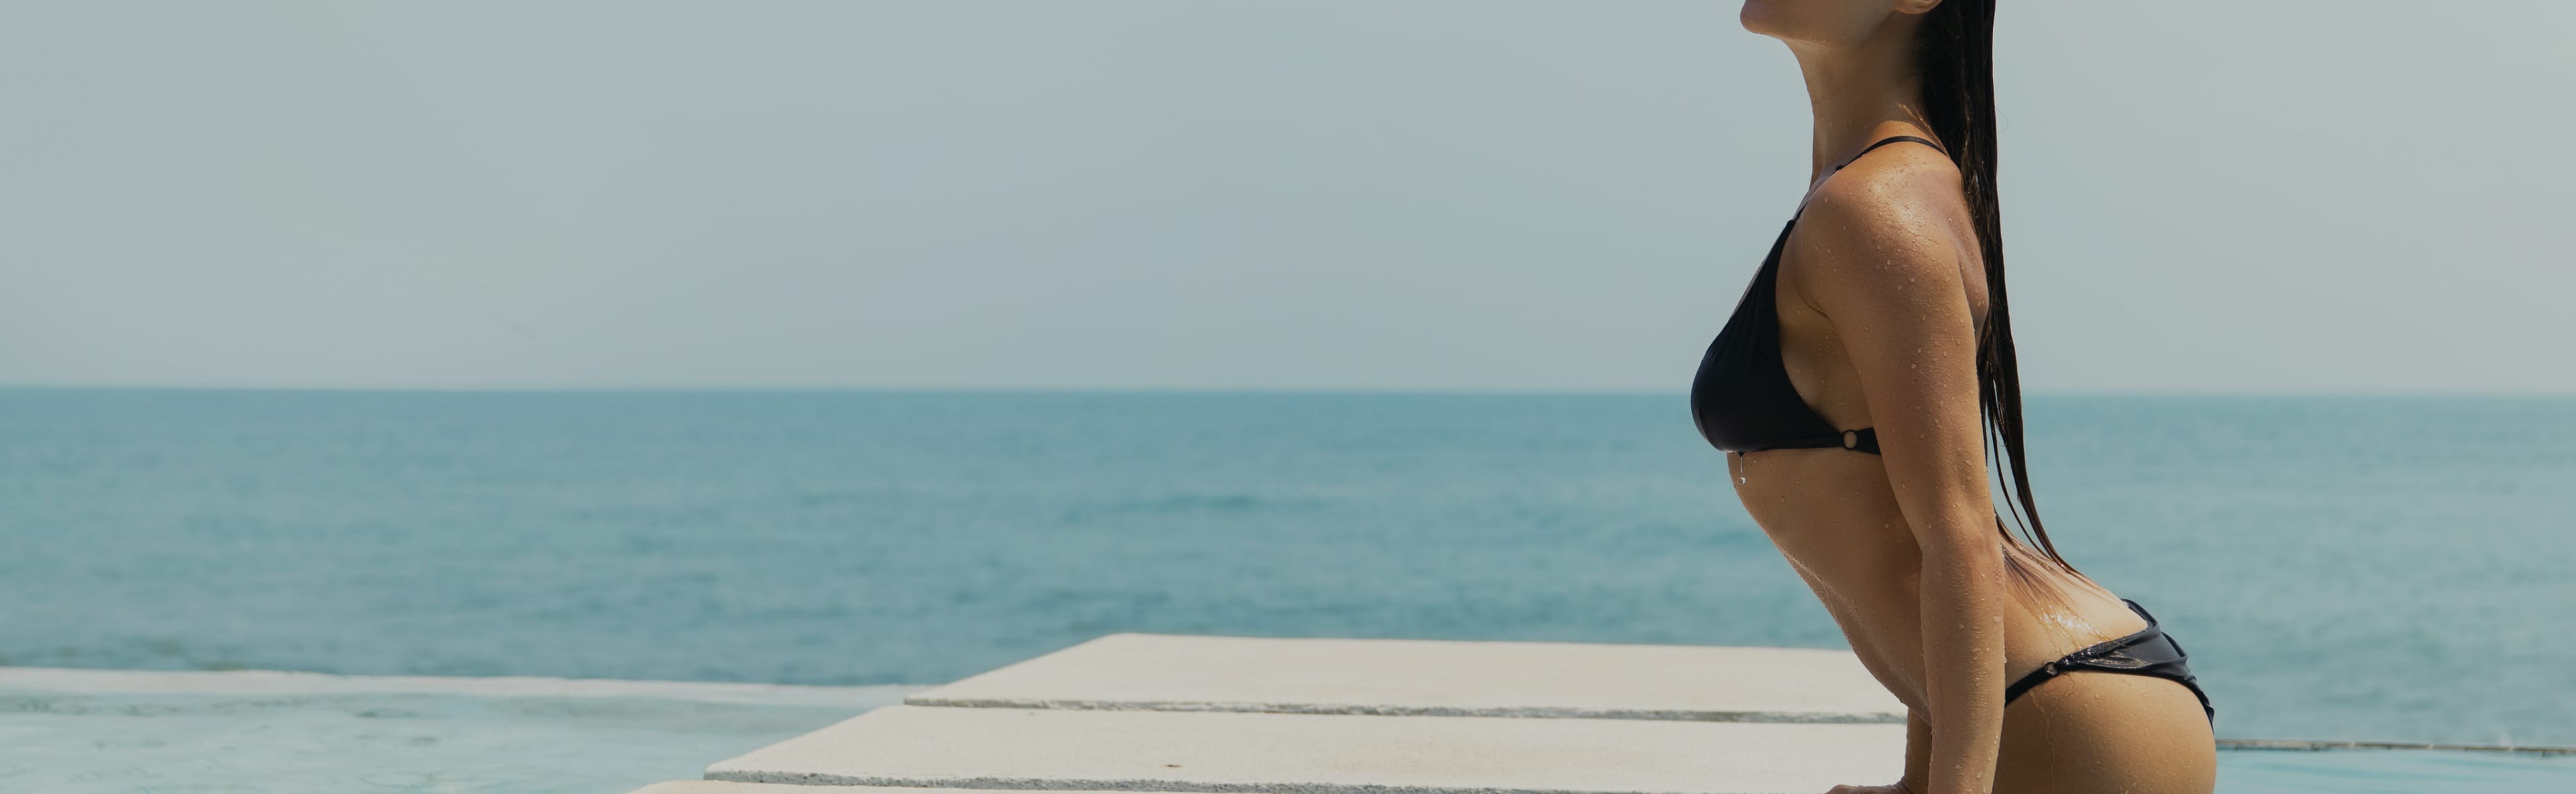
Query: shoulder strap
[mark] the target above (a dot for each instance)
(1802, 202)
(1888, 140)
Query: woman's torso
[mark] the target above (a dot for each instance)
(1834, 516)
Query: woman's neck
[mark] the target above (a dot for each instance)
(1861, 94)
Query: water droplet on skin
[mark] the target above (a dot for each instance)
(2068, 623)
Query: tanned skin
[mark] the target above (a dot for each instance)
(1882, 295)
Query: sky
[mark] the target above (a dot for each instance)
(2205, 196)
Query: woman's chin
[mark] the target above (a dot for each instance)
(1756, 17)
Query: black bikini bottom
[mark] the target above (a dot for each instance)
(2148, 651)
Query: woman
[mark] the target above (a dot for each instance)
(1852, 388)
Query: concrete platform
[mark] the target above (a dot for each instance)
(727, 787)
(730, 787)
(1149, 750)
(1434, 678)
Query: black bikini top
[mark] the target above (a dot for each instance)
(1742, 399)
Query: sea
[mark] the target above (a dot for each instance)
(2376, 568)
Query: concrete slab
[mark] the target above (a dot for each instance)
(730, 787)
(1435, 678)
(1003, 748)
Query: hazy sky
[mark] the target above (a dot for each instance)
(2199, 195)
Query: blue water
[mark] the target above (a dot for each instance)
(416, 742)
(2340, 568)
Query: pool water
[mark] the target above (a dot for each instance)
(431, 739)
(134, 733)
(2393, 772)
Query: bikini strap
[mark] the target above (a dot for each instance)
(1888, 140)
(1802, 202)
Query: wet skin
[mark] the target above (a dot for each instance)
(1837, 519)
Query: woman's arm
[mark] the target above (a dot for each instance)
(1887, 271)
(1918, 753)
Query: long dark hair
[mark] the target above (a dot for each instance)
(1954, 56)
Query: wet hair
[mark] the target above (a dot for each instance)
(1954, 56)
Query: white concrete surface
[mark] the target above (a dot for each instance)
(730, 787)
(1120, 750)
(1435, 678)
(727, 787)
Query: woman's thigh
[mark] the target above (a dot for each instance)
(2090, 731)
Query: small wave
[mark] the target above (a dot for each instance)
(291, 682)
(1228, 504)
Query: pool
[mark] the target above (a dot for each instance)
(119, 732)
(132, 734)
(2383, 771)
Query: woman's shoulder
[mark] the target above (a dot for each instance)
(1890, 187)
(1885, 222)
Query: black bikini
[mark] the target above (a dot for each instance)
(2148, 651)
(1742, 401)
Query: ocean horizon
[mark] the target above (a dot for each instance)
(914, 537)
